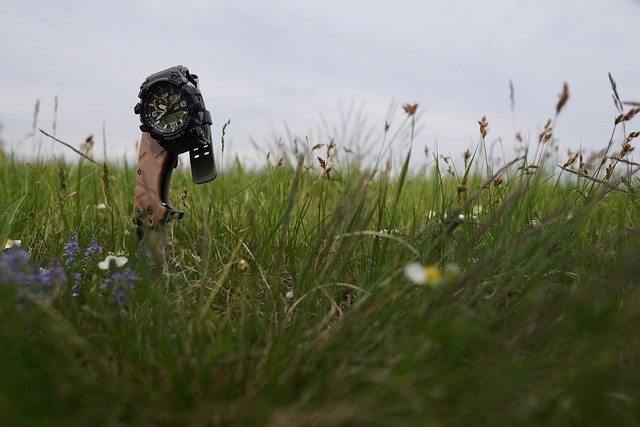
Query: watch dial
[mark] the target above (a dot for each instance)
(165, 110)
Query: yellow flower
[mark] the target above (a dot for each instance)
(431, 275)
(11, 243)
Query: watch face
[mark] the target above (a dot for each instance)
(164, 109)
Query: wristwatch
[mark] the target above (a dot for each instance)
(173, 120)
(173, 112)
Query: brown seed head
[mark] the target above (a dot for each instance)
(519, 137)
(323, 164)
(626, 149)
(571, 160)
(410, 109)
(631, 114)
(484, 124)
(564, 96)
(63, 184)
(461, 190)
(330, 147)
(467, 156)
(546, 133)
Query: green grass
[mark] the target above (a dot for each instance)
(541, 328)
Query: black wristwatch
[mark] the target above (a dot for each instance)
(172, 111)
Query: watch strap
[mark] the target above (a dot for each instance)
(203, 165)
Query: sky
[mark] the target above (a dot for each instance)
(294, 69)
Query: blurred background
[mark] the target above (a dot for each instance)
(292, 69)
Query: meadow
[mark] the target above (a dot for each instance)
(323, 290)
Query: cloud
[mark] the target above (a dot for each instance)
(288, 61)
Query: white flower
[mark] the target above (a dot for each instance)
(11, 243)
(110, 260)
(431, 275)
(421, 275)
(289, 295)
(101, 206)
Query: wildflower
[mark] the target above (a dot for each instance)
(111, 261)
(101, 206)
(119, 284)
(431, 275)
(40, 282)
(71, 250)
(48, 279)
(11, 243)
(92, 251)
(289, 294)
(12, 266)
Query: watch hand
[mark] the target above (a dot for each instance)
(165, 111)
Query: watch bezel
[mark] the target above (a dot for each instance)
(197, 115)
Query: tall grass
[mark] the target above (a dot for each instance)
(286, 301)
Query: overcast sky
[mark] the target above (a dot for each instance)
(266, 63)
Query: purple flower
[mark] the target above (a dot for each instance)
(93, 251)
(48, 279)
(52, 276)
(12, 267)
(71, 250)
(40, 282)
(119, 284)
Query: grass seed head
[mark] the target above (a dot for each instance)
(63, 184)
(571, 160)
(546, 133)
(467, 156)
(323, 164)
(627, 116)
(484, 124)
(87, 146)
(564, 96)
(410, 109)
(632, 135)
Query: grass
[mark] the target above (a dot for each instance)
(286, 301)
